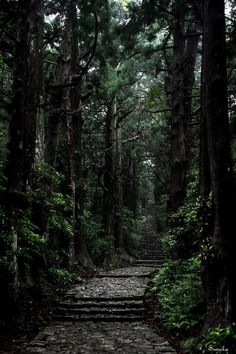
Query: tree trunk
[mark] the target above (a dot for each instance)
(220, 293)
(118, 191)
(56, 118)
(190, 56)
(76, 150)
(67, 109)
(27, 91)
(108, 179)
(130, 186)
(178, 144)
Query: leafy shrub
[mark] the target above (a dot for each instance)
(97, 243)
(4, 239)
(131, 234)
(45, 173)
(62, 276)
(220, 337)
(178, 290)
(45, 192)
(182, 237)
(30, 242)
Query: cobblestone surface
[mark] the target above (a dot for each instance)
(106, 315)
(109, 287)
(91, 338)
(140, 271)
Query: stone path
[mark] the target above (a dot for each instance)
(107, 314)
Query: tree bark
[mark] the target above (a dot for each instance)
(108, 181)
(27, 91)
(220, 293)
(190, 56)
(130, 185)
(118, 190)
(75, 132)
(178, 143)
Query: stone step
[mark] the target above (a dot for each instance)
(152, 257)
(99, 311)
(161, 255)
(155, 256)
(99, 318)
(108, 304)
(147, 261)
(157, 260)
(101, 275)
(148, 264)
(103, 299)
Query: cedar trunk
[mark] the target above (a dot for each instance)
(75, 132)
(27, 92)
(108, 179)
(178, 145)
(220, 293)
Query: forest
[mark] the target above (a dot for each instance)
(113, 112)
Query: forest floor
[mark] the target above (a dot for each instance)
(107, 313)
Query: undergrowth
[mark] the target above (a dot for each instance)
(178, 290)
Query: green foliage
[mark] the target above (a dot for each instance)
(57, 204)
(30, 242)
(96, 242)
(62, 276)
(219, 337)
(205, 231)
(131, 235)
(3, 139)
(59, 223)
(46, 195)
(156, 99)
(190, 343)
(44, 173)
(169, 243)
(4, 240)
(184, 225)
(178, 290)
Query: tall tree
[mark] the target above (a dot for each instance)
(218, 276)
(178, 146)
(185, 42)
(75, 137)
(27, 93)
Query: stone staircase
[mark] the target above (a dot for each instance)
(92, 306)
(102, 309)
(114, 296)
(151, 253)
(107, 314)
